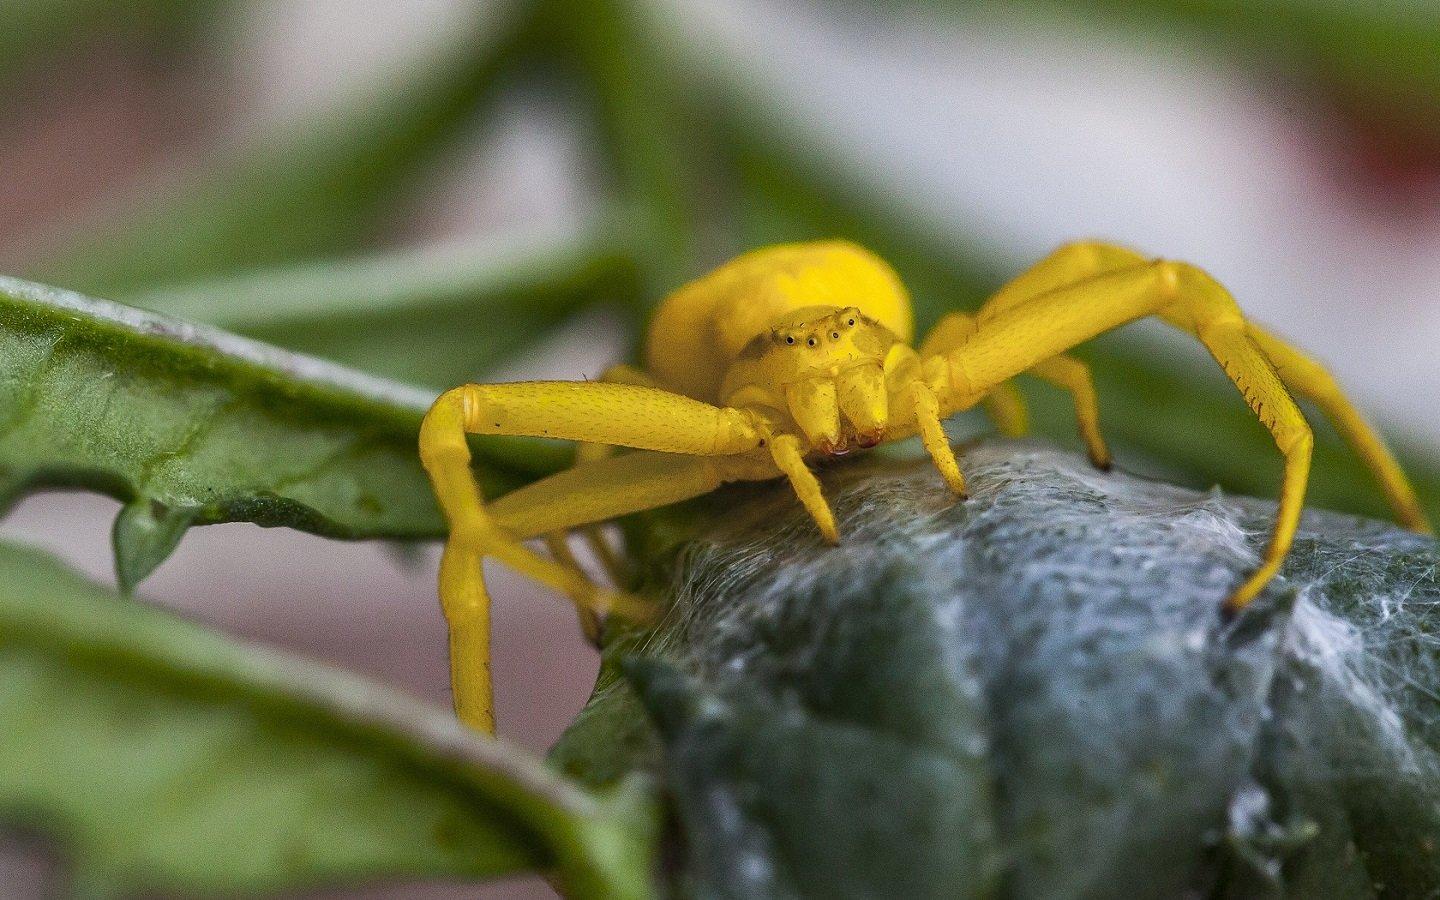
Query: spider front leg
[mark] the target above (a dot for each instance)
(613, 414)
(1004, 403)
(919, 409)
(1310, 380)
(558, 543)
(1065, 266)
(1031, 331)
(816, 406)
(1082, 260)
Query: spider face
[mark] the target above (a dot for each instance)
(822, 341)
(824, 367)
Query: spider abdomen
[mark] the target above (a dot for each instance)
(701, 329)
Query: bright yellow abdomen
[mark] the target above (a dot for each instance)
(699, 330)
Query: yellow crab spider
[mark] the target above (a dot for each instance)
(798, 352)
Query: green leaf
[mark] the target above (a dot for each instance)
(1029, 693)
(646, 129)
(438, 316)
(188, 425)
(161, 756)
(146, 532)
(318, 188)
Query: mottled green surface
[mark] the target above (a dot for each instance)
(154, 753)
(190, 426)
(1032, 693)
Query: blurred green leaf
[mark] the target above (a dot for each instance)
(190, 426)
(647, 134)
(161, 756)
(438, 316)
(318, 189)
(30, 28)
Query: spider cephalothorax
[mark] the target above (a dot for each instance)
(819, 371)
(801, 351)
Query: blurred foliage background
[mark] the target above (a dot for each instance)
(436, 190)
(292, 226)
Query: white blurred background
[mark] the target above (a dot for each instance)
(1023, 134)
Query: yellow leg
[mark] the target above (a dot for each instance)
(1029, 332)
(557, 542)
(1309, 379)
(572, 499)
(1061, 268)
(618, 486)
(619, 374)
(1073, 376)
(595, 413)
(1006, 408)
(1301, 374)
(1003, 403)
(1065, 266)
(615, 569)
(1254, 375)
(589, 619)
(932, 435)
(591, 534)
(466, 606)
(467, 614)
(789, 458)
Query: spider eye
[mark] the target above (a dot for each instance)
(810, 343)
(790, 340)
(851, 323)
(835, 335)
